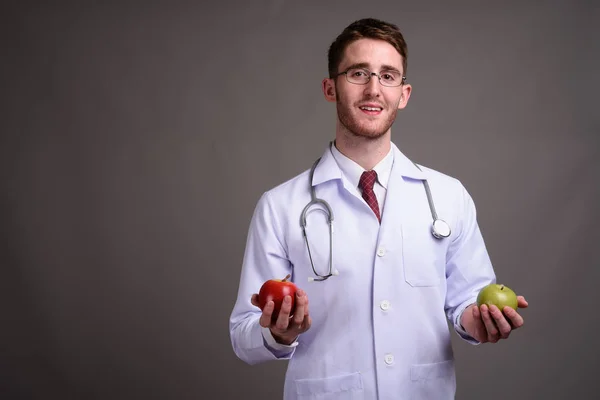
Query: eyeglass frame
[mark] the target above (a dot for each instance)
(369, 74)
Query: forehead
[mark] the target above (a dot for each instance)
(372, 52)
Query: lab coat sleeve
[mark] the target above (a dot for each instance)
(264, 258)
(468, 266)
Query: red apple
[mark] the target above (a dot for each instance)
(275, 290)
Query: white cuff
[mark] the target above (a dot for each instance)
(277, 348)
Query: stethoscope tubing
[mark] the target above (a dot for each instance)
(439, 228)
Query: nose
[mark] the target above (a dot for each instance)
(373, 87)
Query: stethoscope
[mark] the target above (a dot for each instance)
(439, 228)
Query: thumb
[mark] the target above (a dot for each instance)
(522, 303)
(254, 300)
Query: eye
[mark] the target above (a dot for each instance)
(359, 73)
(389, 76)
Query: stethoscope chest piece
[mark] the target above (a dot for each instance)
(440, 229)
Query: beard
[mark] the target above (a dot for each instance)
(367, 129)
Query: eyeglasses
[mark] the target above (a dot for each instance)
(362, 76)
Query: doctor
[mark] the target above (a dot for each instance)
(376, 293)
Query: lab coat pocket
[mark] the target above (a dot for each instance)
(347, 387)
(433, 381)
(424, 257)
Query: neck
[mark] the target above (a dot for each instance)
(366, 152)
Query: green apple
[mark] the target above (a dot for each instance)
(498, 295)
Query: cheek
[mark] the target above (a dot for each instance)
(350, 95)
(393, 101)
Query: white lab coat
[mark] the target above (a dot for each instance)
(379, 329)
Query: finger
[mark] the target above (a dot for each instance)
(265, 318)
(515, 319)
(480, 331)
(301, 301)
(283, 319)
(490, 327)
(521, 302)
(476, 313)
(306, 309)
(500, 322)
(302, 293)
(307, 320)
(254, 300)
(307, 323)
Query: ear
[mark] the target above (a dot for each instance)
(328, 86)
(406, 90)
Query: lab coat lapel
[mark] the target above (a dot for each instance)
(398, 197)
(328, 169)
(403, 170)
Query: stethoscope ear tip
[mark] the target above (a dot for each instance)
(335, 273)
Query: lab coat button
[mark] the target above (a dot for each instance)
(381, 252)
(389, 359)
(385, 305)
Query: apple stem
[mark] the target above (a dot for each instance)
(286, 277)
(501, 287)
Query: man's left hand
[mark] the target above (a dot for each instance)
(489, 324)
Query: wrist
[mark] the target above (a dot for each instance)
(282, 339)
(464, 314)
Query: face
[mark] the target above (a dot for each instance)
(367, 110)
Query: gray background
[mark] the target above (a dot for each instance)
(137, 138)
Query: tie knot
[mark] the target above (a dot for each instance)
(367, 180)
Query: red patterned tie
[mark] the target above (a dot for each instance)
(366, 182)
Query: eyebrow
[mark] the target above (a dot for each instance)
(367, 66)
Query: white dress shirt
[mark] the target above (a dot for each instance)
(352, 171)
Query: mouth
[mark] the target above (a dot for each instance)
(371, 109)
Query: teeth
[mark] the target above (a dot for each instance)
(371, 108)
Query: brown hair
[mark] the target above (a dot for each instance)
(367, 28)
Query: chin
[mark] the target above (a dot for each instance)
(372, 129)
(371, 132)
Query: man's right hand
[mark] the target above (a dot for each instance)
(285, 330)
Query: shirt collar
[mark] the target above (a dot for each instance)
(352, 171)
(328, 168)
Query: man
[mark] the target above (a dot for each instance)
(379, 300)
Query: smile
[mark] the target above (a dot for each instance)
(371, 110)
